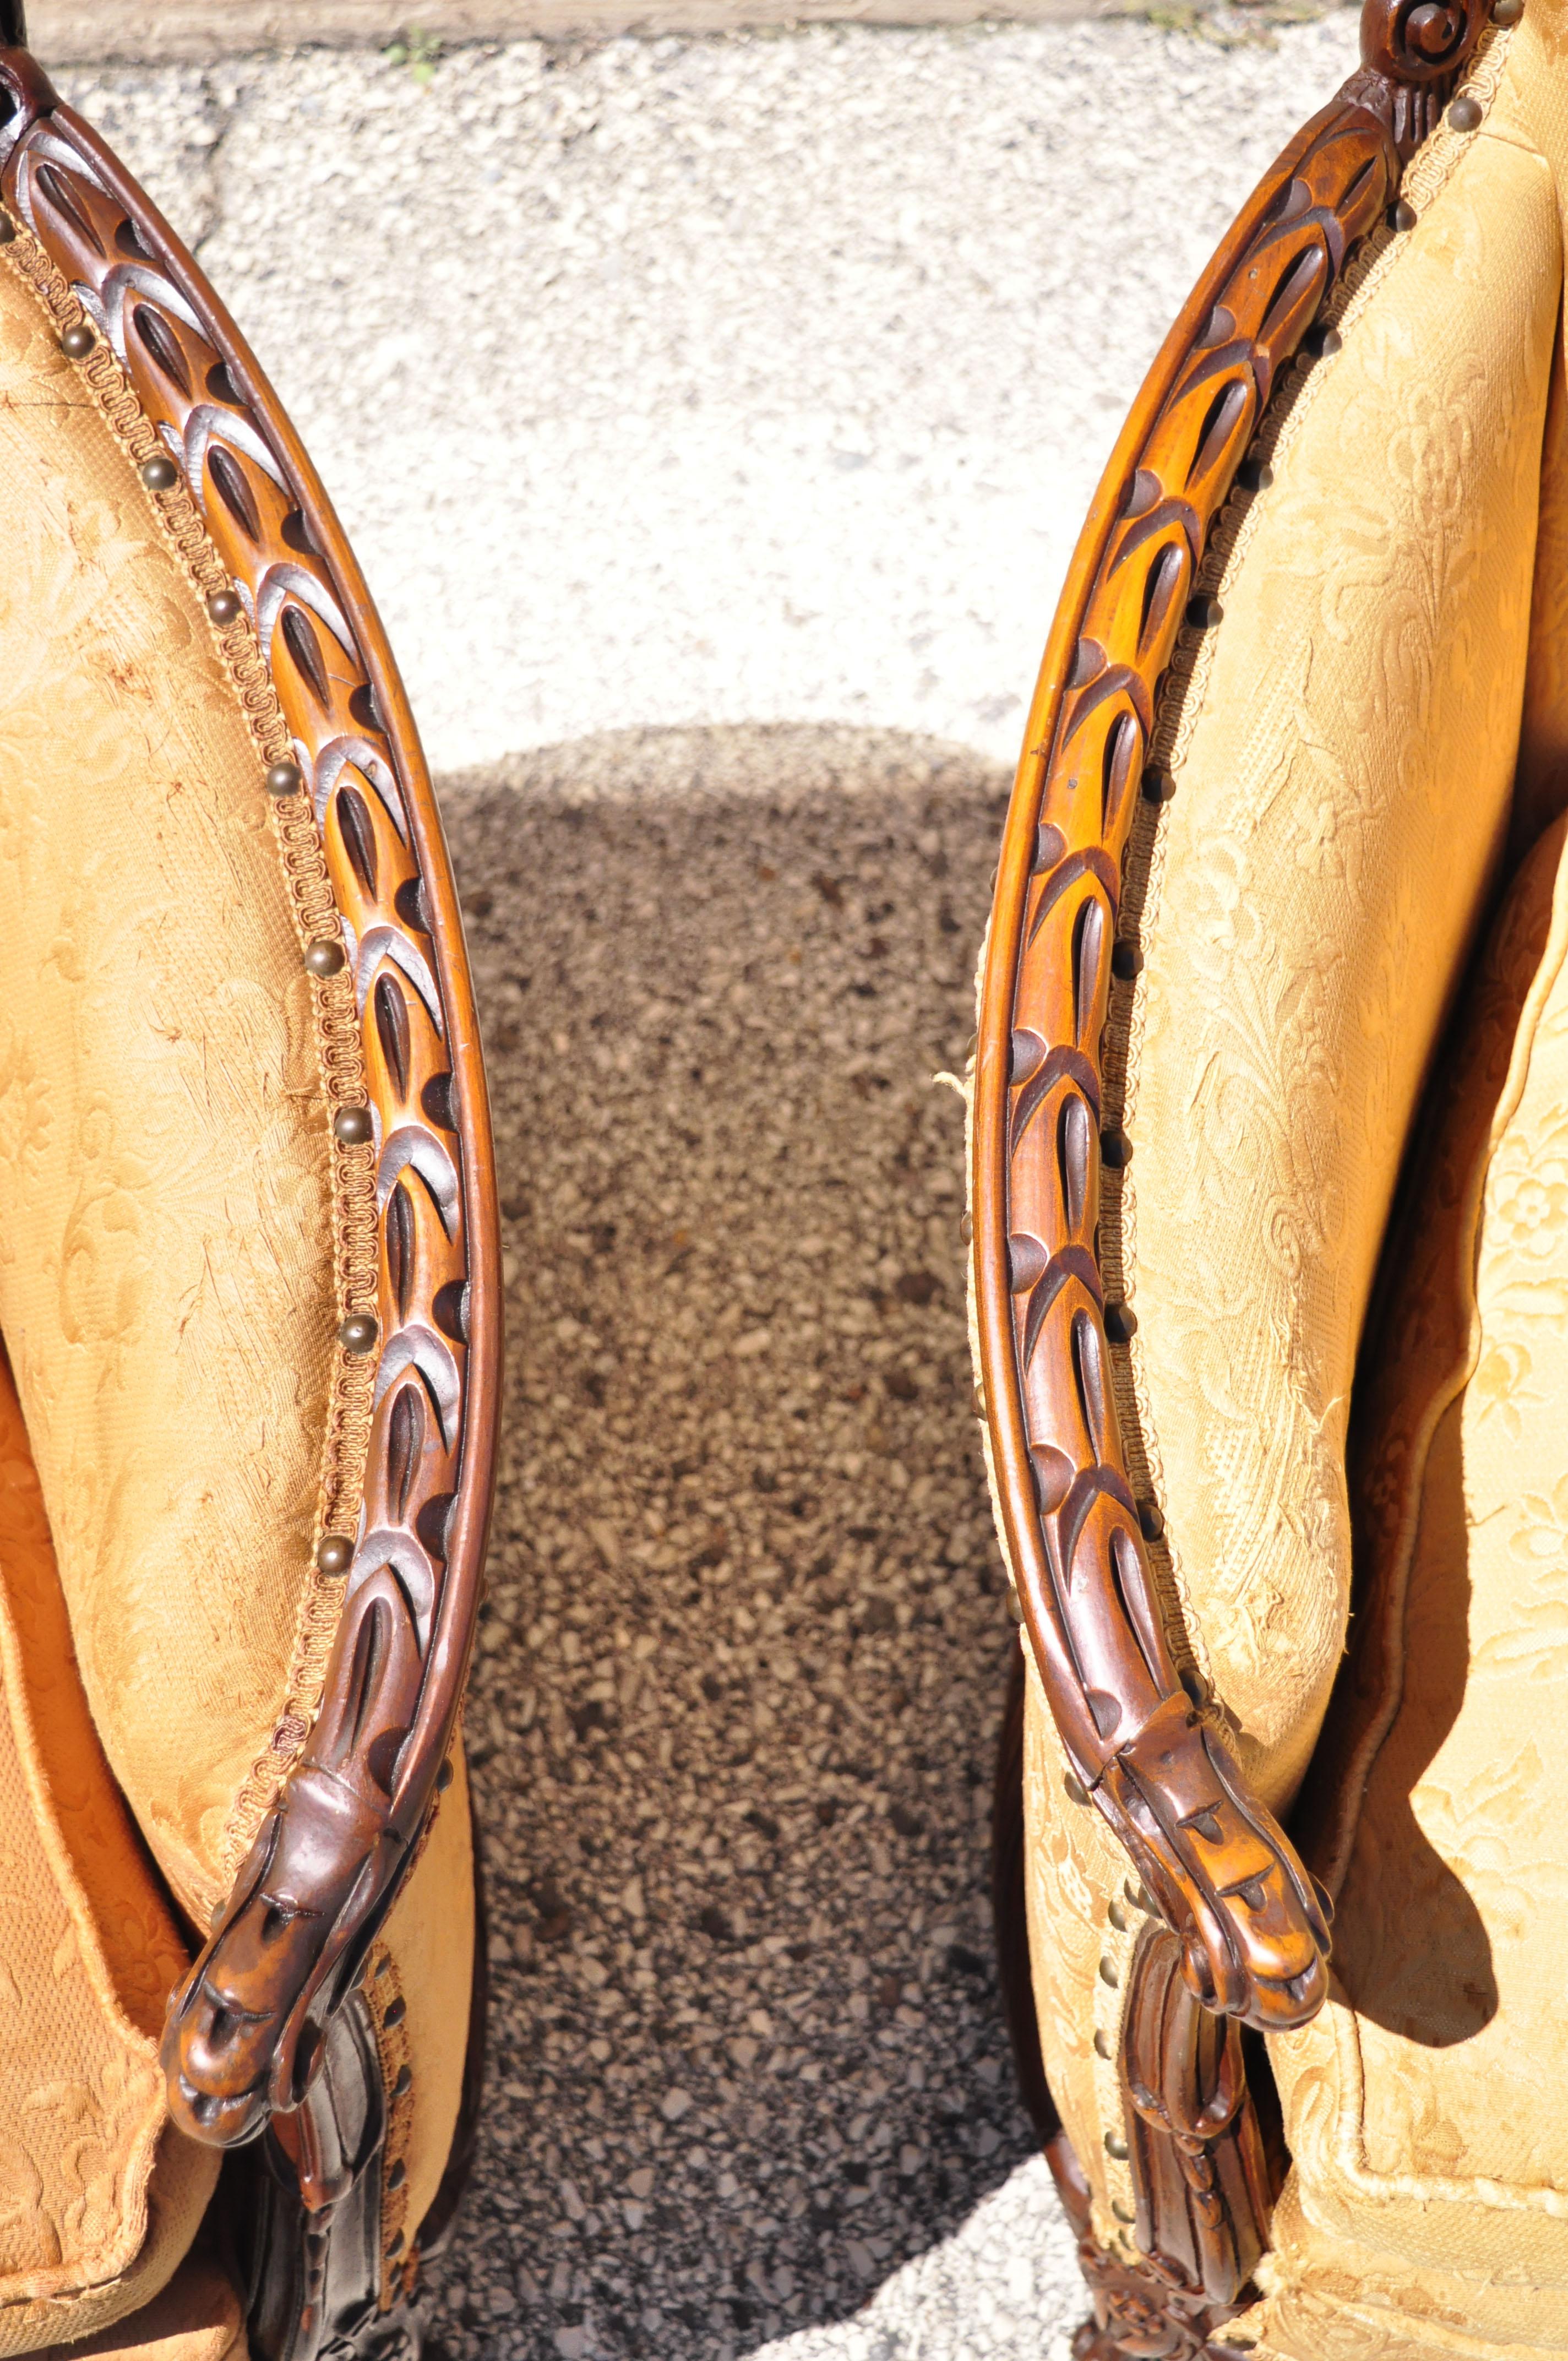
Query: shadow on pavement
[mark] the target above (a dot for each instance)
(744, 1662)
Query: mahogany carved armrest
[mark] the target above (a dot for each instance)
(1156, 1760)
(246, 2031)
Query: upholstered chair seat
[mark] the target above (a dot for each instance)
(248, 1302)
(1271, 1262)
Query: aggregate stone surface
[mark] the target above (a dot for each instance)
(741, 1673)
(718, 380)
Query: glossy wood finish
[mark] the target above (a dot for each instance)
(305, 2214)
(246, 2030)
(1199, 2174)
(1138, 2314)
(1151, 1752)
(1194, 2150)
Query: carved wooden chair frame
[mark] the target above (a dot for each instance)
(270, 2044)
(1236, 1931)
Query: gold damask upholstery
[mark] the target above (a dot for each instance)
(100, 2197)
(1351, 1385)
(1311, 899)
(165, 1194)
(1426, 2109)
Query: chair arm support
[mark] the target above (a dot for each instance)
(1154, 1759)
(246, 2030)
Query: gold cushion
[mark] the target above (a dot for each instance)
(166, 1215)
(1343, 772)
(99, 2196)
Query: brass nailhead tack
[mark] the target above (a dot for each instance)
(966, 1229)
(1402, 214)
(1103, 2044)
(1074, 1787)
(285, 779)
(1324, 342)
(1116, 2146)
(8, 229)
(1466, 113)
(1151, 1524)
(404, 2082)
(334, 1553)
(1204, 611)
(1254, 475)
(1120, 1322)
(1126, 961)
(398, 2175)
(395, 2243)
(1158, 787)
(445, 1777)
(1506, 12)
(1109, 1973)
(325, 958)
(396, 2011)
(1115, 1148)
(159, 473)
(359, 1333)
(223, 607)
(78, 342)
(1117, 1916)
(352, 1126)
(1014, 1605)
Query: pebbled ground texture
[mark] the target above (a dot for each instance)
(714, 418)
(739, 1678)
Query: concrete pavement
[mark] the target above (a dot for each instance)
(749, 380)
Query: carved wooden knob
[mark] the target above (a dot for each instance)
(1434, 32)
(1427, 42)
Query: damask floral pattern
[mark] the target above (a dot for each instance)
(165, 1154)
(1324, 866)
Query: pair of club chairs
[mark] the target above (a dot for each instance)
(1270, 1186)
